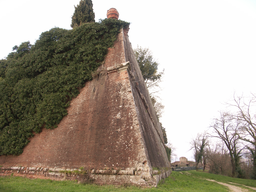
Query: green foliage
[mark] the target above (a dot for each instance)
(3, 66)
(83, 13)
(21, 50)
(168, 152)
(38, 82)
(164, 134)
(167, 149)
(147, 64)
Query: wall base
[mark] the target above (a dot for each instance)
(109, 177)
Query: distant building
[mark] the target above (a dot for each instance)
(183, 162)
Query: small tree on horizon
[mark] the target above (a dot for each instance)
(199, 146)
(83, 13)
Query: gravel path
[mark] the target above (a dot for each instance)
(253, 188)
(232, 188)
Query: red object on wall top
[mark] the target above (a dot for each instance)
(112, 13)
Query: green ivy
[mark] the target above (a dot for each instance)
(168, 152)
(37, 82)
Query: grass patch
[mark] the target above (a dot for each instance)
(185, 181)
(177, 181)
(19, 184)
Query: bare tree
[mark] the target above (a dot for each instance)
(218, 160)
(198, 145)
(248, 131)
(159, 107)
(226, 128)
(246, 165)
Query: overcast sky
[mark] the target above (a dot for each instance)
(207, 48)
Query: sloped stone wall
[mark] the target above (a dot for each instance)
(111, 130)
(150, 127)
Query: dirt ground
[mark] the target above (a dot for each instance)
(232, 187)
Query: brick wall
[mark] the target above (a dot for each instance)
(108, 129)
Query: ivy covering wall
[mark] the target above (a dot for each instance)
(37, 82)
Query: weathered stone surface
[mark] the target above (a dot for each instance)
(111, 129)
(15, 168)
(31, 168)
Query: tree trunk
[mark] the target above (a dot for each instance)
(204, 162)
(196, 166)
(254, 164)
(233, 166)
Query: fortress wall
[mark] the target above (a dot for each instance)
(111, 129)
(150, 127)
(100, 130)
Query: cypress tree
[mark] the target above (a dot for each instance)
(83, 13)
